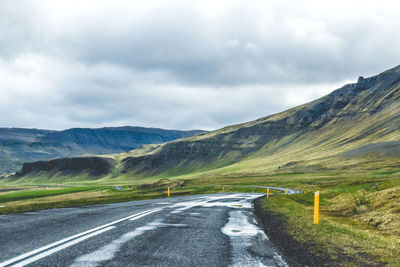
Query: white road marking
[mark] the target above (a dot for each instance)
(217, 201)
(108, 251)
(144, 214)
(60, 242)
(58, 248)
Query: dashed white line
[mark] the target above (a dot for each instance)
(58, 248)
(108, 251)
(61, 242)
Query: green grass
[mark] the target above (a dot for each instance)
(344, 235)
(335, 238)
(29, 194)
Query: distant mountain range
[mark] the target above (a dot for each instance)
(354, 127)
(23, 145)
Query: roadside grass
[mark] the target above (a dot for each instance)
(342, 236)
(39, 193)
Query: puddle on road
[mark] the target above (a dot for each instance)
(250, 245)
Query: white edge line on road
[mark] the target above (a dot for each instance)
(53, 250)
(33, 252)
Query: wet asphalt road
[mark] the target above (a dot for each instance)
(203, 230)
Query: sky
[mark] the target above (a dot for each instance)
(183, 64)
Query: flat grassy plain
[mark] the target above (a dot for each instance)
(360, 211)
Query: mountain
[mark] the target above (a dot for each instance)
(356, 126)
(22, 145)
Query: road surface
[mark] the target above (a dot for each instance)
(203, 230)
(283, 190)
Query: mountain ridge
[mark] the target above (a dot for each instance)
(311, 136)
(18, 145)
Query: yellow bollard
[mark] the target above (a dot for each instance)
(168, 192)
(316, 208)
(267, 193)
(286, 192)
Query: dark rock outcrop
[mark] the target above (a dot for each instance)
(94, 166)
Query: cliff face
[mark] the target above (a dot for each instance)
(334, 131)
(22, 145)
(222, 149)
(353, 106)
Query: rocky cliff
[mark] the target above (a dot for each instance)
(348, 107)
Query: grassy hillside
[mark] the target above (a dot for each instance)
(354, 127)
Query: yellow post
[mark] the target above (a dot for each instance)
(223, 189)
(316, 208)
(267, 193)
(168, 191)
(286, 192)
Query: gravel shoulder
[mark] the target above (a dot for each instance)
(294, 252)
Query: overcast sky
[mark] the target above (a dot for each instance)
(183, 64)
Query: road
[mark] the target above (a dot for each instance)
(283, 190)
(203, 230)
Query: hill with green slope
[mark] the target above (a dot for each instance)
(354, 127)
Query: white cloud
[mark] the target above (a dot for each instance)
(183, 64)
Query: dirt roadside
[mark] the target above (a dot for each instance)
(295, 253)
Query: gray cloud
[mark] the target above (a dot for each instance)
(182, 64)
